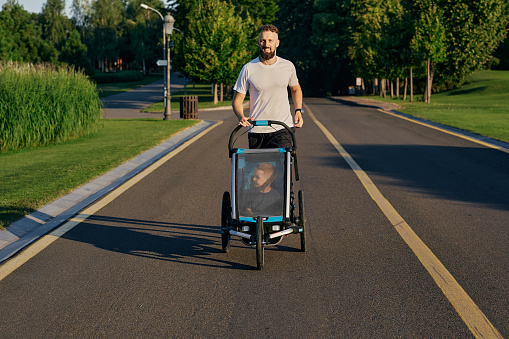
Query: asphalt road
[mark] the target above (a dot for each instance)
(149, 263)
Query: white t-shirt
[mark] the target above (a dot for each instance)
(267, 86)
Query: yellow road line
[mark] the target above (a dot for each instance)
(31, 251)
(473, 317)
(477, 141)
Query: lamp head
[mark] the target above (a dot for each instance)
(168, 24)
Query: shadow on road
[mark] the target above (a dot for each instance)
(468, 174)
(182, 243)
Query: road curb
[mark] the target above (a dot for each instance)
(27, 230)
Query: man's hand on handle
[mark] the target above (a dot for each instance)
(244, 121)
(299, 121)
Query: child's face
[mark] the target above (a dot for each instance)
(260, 177)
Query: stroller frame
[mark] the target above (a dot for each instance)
(259, 231)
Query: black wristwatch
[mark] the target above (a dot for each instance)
(299, 110)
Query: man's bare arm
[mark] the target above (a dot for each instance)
(238, 108)
(297, 103)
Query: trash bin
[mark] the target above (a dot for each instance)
(189, 107)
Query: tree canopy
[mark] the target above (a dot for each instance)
(383, 39)
(330, 41)
(217, 42)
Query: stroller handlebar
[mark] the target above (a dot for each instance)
(260, 123)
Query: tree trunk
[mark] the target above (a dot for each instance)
(392, 89)
(430, 82)
(411, 86)
(428, 85)
(425, 94)
(215, 92)
(397, 87)
(221, 92)
(406, 88)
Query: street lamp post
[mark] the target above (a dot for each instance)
(168, 29)
(168, 22)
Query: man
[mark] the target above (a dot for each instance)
(267, 78)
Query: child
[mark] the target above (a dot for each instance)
(262, 199)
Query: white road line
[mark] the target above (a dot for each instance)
(473, 317)
(31, 251)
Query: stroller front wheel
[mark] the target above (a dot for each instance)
(226, 221)
(259, 243)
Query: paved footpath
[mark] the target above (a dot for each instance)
(126, 105)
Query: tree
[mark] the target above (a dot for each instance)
(293, 37)
(217, 43)
(105, 18)
(314, 37)
(501, 56)
(8, 50)
(145, 44)
(474, 29)
(24, 42)
(366, 51)
(75, 53)
(81, 12)
(394, 47)
(378, 34)
(260, 11)
(257, 11)
(55, 25)
(430, 39)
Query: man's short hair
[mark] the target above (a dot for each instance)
(268, 28)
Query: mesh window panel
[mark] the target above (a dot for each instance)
(260, 184)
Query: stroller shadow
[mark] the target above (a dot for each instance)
(181, 243)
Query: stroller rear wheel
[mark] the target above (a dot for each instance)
(302, 222)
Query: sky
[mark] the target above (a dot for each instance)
(35, 6)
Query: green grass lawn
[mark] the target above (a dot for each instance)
(116, 88)
(205, 98)
(32, 178)
(480, 106)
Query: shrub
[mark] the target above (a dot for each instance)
(43, 104)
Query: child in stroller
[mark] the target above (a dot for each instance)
(261, 197)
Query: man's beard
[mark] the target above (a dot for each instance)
(267, 55)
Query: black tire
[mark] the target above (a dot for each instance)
(226, 221)
(259, 244)
(302, 222)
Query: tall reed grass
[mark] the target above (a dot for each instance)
(44, 104)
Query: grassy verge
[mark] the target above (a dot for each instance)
(205, 100)
(115, 88)
(32, 178)
(480, 106)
